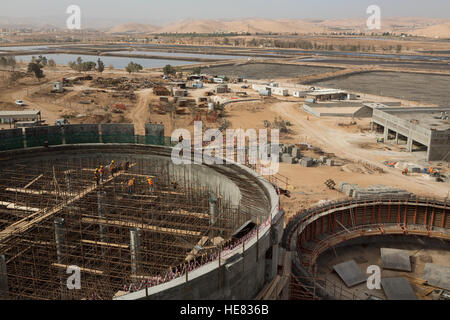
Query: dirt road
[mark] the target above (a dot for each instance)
(140, 114)
(342, 144)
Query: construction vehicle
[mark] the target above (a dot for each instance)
(61, 122)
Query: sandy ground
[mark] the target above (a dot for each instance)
(352, 144)
(347, 143)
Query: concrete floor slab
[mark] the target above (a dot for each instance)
(395, 259)
(437, 275)
(398, 289)
(350, 273)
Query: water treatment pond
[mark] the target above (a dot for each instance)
(266, 70)
(426, 88)
(117, 62)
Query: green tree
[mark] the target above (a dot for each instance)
(100, 65)
(133, 67)
(197, 70)
(169, 70)
(80, 66)
(36, 69)
(42, 61)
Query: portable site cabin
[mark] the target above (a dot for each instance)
(16, 116)
(327, 94)
(299, 94)
(280, 91)
(222, 88)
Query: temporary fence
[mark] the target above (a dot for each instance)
(29, 141)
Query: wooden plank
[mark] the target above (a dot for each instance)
(38, 192)
(106, 244)
(194, 251)
(142, 226)
(28, 222)
(33, 181)
(65, 266)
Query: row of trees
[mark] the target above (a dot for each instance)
(84, 66)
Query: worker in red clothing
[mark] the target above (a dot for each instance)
(102, 172)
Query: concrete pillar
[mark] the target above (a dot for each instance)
(396, 137)
(213, 214)
(60, 238)
(68, 178)
(101, 202)
(409, 144)
(4, 289)
(135, 248)
(386, 133)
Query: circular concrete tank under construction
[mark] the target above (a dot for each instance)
(200, 232)
(339, 249)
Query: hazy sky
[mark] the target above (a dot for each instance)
(159, 11)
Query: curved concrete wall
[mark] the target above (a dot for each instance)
(398, 218)
(241, 272)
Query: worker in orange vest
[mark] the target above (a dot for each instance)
(150, 184)
(130, 185)
(111, 168)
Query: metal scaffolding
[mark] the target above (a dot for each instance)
(54, 215)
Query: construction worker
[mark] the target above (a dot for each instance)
(174, 184)
(101, 171)
(150, 184)
(97, 176)
(112, 168)
(130, 185)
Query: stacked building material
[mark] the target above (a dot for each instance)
(373, 192)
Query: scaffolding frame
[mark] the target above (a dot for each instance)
(54, 216)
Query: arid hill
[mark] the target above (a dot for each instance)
(417, 26)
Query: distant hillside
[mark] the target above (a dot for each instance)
(435, 31)
(134, 28)
(417, 26)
